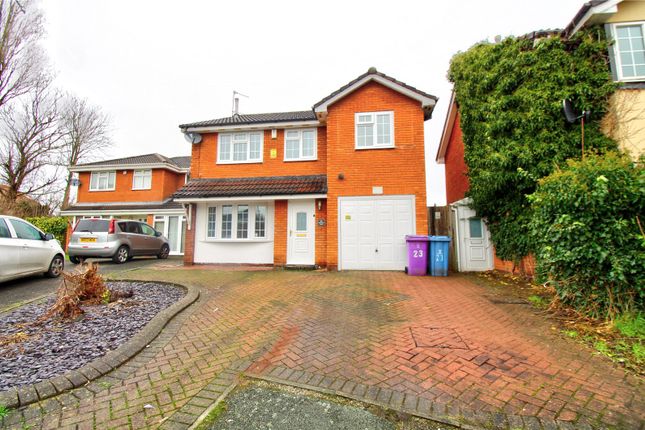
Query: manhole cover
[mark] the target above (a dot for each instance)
(437, 337)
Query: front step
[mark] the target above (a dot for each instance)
(300, 267)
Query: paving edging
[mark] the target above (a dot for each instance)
(28, 394)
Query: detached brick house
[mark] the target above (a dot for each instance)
(139, 188)
(339, 185)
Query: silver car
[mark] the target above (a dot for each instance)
(117, 239)
(25, 250)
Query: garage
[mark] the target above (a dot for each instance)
(372, 232)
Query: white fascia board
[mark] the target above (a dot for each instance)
(252, 198)
(608, 8)
(124, 212)
(249, 127)
(127, 167)
(425, 101)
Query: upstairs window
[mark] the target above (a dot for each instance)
(374, 130)
(239, 148)
(142, 180)
(102, 181)
(630, 51)
(300, 145)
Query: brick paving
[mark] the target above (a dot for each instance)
(438, 348)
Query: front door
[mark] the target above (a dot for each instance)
(301, 238)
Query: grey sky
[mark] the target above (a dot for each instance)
(152, 65)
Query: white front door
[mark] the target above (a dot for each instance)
(475, 250)
(372, 232)
(301, 239)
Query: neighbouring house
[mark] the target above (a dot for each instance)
(138, 188)
(337, 186)
(624, 23)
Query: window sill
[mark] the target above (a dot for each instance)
(100, 191)
(239, 162)
(141, 189)
(236, 240)
(299, 159)
(364, 148)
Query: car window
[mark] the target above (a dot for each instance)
(123, 226)
(93, 225)
(147, 230)
(24, 230)
(133, 227)
(4, 230)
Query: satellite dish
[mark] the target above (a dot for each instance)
(569, 112)
(193, 138)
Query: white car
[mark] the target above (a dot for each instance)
(25, 250)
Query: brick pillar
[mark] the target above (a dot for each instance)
(321, 233)
(189, 245)
(280, 232)
(150, 219)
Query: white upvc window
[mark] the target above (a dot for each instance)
(300, 145)
(142, 179)
(102, 181)
(235, 148)
(629, 49)
(374, 130)
(237, 222)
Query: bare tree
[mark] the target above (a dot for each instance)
(86, 135)
(22, 60)
(30, 138)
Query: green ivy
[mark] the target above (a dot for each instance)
(54, 225)
(510, 102)
(589, 243)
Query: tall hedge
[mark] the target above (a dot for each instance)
(54, 225)
(589, 242)
(510, 101)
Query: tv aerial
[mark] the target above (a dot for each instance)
(571, 116)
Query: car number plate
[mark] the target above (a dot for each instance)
(88, 239)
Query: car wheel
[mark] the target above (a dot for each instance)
(75, 260)
(56, 267)
(163, 254)
(122, 255)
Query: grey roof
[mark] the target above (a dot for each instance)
(581, 13)
(256, 118)
(180, 162)
(261, 186)
(373, 71)
(121, 206)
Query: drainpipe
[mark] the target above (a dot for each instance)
(189, 216)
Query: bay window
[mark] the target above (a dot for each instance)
(239, 148)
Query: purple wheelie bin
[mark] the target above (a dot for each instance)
(417, 255)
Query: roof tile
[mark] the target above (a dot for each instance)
(261, 186)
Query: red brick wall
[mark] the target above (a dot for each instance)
(280, 227)
(164, 183)
(526, 266)
(204, 159)
(400, 170)
(456, 179)
(321, 233)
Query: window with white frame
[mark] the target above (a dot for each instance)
(239, 148)
(142, 180)
(237, 222)
(102, 181)
(300, 145)
(630, 51)
(374, 130)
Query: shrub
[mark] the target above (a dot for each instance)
(588, 235)
(54, 225)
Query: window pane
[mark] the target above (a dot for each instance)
(94, 181)
(624, 45)
(182, 245)
(24, 230)
(212, 222)
(293, 151)
(301, 221)
(239, 151)
(225, 147)
(622, 31)
(227, 221)
(640, 70)
(365, 135)
(4, 230)
(111, 179)
(626, 58)
(628, 71)
(256, 143)
(260, 221)
(292, 134)
(365, 118)
(383, 134)
(639, 57)
(308, 144)
(242, 222)
(160, 226)
(147, 230)
(475, 228)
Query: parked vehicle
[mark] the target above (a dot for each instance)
(117, 239)
(25, 250)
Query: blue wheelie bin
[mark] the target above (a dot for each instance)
(438, 258)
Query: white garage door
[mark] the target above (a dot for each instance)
(372, 232)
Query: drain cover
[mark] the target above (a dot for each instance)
(437, 337)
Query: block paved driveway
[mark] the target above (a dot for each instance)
(438, 347)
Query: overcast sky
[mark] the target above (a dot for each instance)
(152, 65)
